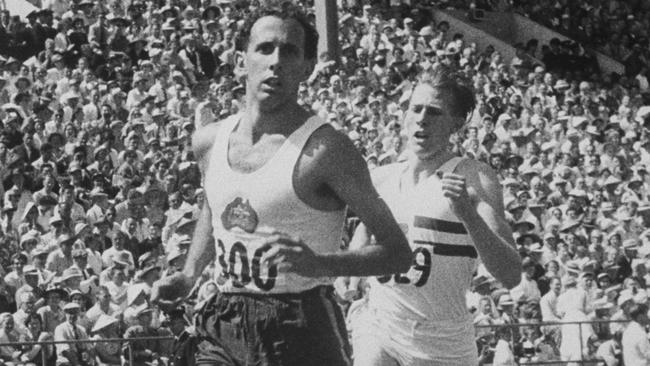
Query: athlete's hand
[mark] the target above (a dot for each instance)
(462, 198)
(290, 254)
(170, 291)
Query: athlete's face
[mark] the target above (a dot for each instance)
(275, 62)
(428, 121)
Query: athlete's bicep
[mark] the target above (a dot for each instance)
(202, 142)
(490, 200)
(346, 173)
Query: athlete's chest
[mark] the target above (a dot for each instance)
(247, 157)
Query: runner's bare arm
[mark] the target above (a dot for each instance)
(202, 250)
(346, 173)
(487, 225)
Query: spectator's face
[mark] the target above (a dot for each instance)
(18, 264)
(275, 61)
(54, 299)
(35, 326)
(486, 306)
(71, 316)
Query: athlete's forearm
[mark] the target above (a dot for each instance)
(202, 250)
(497, 254)
(370, 260)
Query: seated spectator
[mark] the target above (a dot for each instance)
(8, 334)
(527, 288)
(108, 353)
(52, 314)
(69, 330)
(26, 309)
(144, 351)
(636, 347)
(34, 354)
(103, 306)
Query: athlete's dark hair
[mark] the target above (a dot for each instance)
(461, 97)
(282, 10)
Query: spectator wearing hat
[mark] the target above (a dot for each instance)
(72, 353)
(32, 277)
(118, 250)
(70, 279)
(52, 314)
(107, 353)
(102, 306)
(100, 204)
(38, 260)
(89, 279)
(61, 258)
(144, 350)
(481, 287)
(185, 340)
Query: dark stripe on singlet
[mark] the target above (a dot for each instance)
(430, 223)
(450, 250)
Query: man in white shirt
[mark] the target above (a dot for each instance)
(73, 353)
(636, 348)
(527, 288)
(548, 303)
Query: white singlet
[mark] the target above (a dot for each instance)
(421, 314)
(248, 207)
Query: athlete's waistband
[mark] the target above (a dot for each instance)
(320, 290)
(420, 324)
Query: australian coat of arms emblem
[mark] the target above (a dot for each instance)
(239, 213)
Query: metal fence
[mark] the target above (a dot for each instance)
(493, 327)
(559, 361)
(122, 341)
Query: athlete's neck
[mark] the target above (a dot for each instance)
(284, 121)
(422, 167)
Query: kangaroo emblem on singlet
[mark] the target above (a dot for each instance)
(239, 213)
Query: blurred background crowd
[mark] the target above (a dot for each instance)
(101, 190)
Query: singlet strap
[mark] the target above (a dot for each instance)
(298, 139)
(450, 165)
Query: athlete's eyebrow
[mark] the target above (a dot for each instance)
(430, 109)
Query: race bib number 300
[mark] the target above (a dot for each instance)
(242, 267)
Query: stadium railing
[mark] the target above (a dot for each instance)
(559, 361)
(81, 341)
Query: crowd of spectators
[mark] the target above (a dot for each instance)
(101, 190)
(616, 28)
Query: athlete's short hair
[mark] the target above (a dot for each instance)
(461, 97)
(282, 10)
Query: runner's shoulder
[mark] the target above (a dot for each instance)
(477, 171)
(382, 173)
(203, 139)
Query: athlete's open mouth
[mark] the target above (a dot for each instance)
(420, 135)
(272, 82)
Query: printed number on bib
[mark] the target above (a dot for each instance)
(418, 274)
(237, 267)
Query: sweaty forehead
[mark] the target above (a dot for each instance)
(426, 95)
(274, 29)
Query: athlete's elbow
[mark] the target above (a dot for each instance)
(401, 258)
(511, 278)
